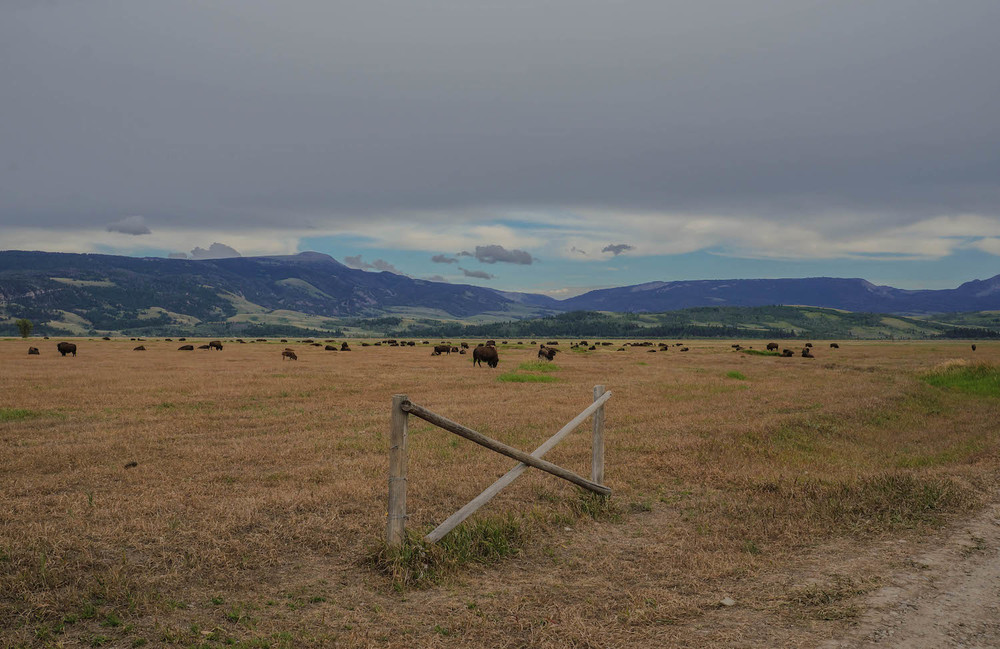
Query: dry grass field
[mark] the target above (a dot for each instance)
(256, 509)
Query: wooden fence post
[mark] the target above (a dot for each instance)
(597, 452)
(395, 526)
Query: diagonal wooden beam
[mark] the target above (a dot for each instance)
(501, 448)
(456, 519)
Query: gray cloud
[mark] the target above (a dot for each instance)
(130, 225)
(444, 259)
(215, 251)
(575, 249)
(437, 278)
(465, 253)
(177, 255)
(723, 108)
(379, 264)
(492, 254)
(475, 273)
(617, 248)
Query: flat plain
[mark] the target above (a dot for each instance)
(254, 512)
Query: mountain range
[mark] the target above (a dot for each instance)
(81, 293)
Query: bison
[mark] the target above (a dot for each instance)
(809, 344)
(486, 353)
(547, 352)
(330, 348)
(807, 353)
(772, 347)
(106, 338)
(465, 345)
(33, 351)
(787, 353)
(289, 354)
(441, 349)
(344, 347)
(140, 348)
(684, 349)
(834, 346)
(186, 348)
(215, 344)
(66, 348)
(203, 347)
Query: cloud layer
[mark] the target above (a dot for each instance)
(786, 129)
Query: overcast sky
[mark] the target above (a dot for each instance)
(560, 145)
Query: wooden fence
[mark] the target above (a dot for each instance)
(402, 407)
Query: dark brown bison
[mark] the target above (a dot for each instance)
(215, 344)
(106, 338)
(33, 351)
(182, 339)
(66, 348)
(592, 347)
(807, 353)
(547, 352)
(462, 351)
(289, 354)
(441, 349)
(834, 346)
(344, 347)
(186, 348)
(684, 349)
(772, 347)
(487, 353)
(465, 345)
(330, 348)
(203, 347)
(809, 344)
(140, 348)
(787, 353)
(552, 343)
(491, 343)
(973, 348)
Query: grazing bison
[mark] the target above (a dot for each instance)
(289, 354)
(215, 344)
(441, 349)
(186, 348)
(834, 346)
(809, 344)
(547, 352)
(33, 351)
(465, 345)
(140, 348)
(66, 348)
(772, 347)
(486, 353)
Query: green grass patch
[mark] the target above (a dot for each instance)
(981, 379)
(736, 375)
(538, 366)
(759, 352)
(514, 377)
(16, 414)
(486, 540)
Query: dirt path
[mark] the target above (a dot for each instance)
(948, 596)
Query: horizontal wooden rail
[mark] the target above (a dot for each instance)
(500, 447)
(455, 519)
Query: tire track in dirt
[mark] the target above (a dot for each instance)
(948, 597)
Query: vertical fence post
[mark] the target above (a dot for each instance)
(395, 526)
(597, 452)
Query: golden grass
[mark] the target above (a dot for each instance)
(258, 497)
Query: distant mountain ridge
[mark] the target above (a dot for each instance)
(828, 292)
(94, 292)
